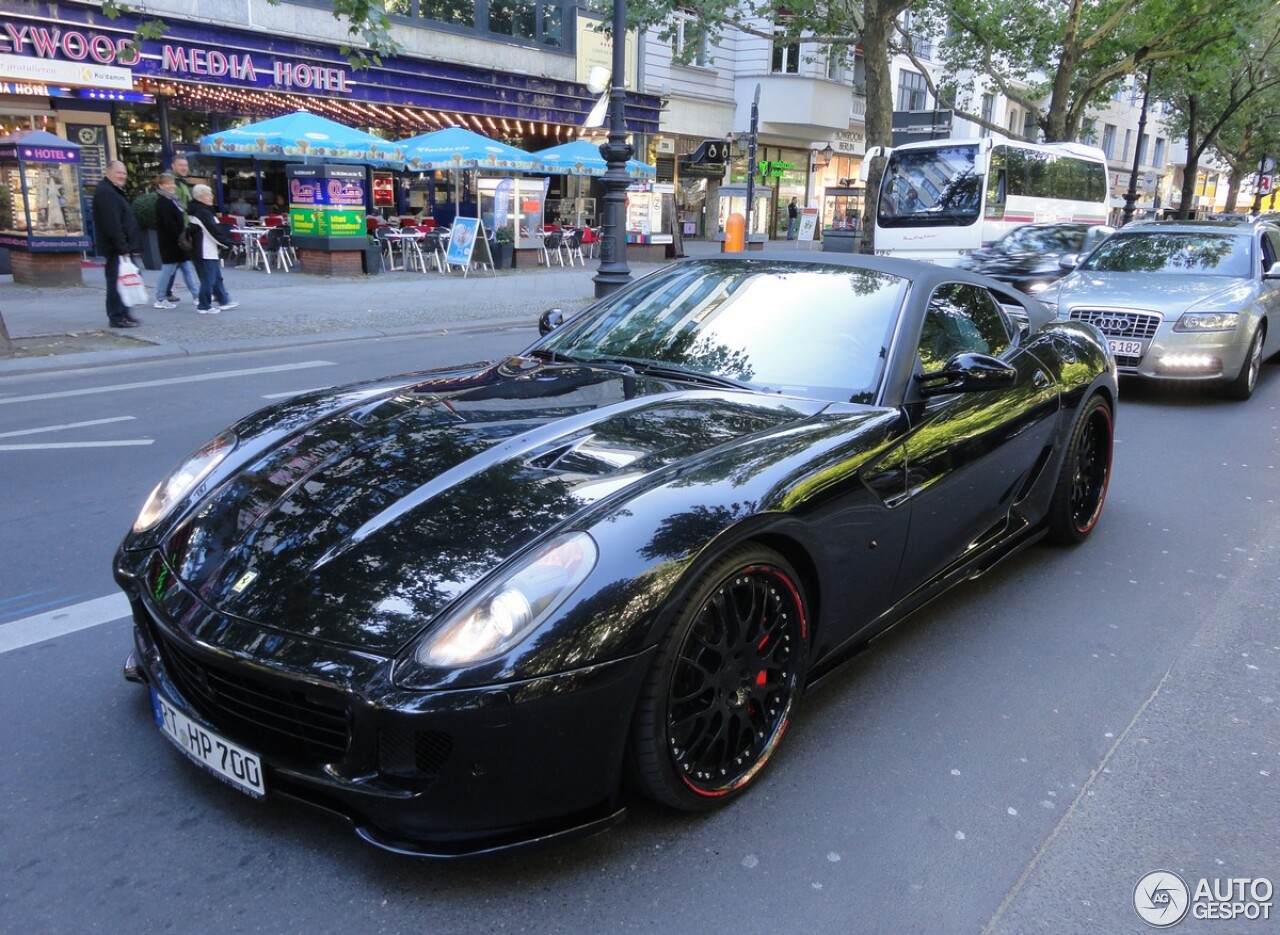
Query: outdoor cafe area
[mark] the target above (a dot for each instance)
(359, 203)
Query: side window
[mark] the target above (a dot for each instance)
(1270, 249)
(961, 318)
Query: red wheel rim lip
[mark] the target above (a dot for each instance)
(783, 719)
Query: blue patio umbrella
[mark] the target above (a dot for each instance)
(582, 157)
(456, 148)
(300, 136)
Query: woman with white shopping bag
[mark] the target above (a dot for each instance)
(116, 236)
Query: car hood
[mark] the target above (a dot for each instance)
(360, 527)
(1168, 293)
(999, 263)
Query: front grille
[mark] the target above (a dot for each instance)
(290, 722)
(1140, 326)
(1121, 325)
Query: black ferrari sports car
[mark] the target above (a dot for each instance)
(477, 608)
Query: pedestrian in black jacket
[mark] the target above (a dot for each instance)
(116, 234)
(171, 221)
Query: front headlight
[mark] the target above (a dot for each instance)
(1207, 321)
(500, 615)
(185, 479)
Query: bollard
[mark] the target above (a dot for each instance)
(735, 231)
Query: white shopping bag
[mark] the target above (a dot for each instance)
(133, 291)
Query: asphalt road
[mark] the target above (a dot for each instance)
(1012, 759)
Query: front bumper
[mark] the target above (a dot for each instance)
(441, 773)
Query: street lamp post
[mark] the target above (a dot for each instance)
(614, 273)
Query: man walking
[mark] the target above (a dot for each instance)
(171, 221)
(181, 168)
(116, 234)
(793, 219)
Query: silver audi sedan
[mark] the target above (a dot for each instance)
(1181, 300)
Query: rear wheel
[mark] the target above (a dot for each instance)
(1242, 386)
(1085, 473)
(725, 682)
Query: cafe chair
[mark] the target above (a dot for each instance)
(387, 247)
(277, 247)
(590, 239)
(571, 247)
(551, 241)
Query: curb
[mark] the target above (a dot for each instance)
(96, 359)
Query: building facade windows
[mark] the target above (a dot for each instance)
(1157, 158)
(786, 58)
(689, 44)
(1109, 140)
(988, 111)
(913, 93)
(535, 22)
(1128, 142)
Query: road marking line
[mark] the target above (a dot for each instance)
(67, 425)
(143, 384)
(54, 623)
(121, 443)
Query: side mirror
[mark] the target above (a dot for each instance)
(968, 373)
(1273, 273)
(550, 320)
(1069, 261)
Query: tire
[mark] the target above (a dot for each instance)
(1242, 386)
(1082, 483)
(725, 682)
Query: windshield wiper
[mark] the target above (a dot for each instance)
(693, 376)
(555, 357)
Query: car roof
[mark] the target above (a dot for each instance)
(1199, 227)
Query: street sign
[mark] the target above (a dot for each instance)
(1264, 185)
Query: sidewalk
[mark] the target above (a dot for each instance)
(290, 308)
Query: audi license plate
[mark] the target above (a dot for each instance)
(234, 765)
(1125, 348)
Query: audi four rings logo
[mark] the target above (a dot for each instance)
(1112, 323)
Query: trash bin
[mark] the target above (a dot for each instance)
(372, 261)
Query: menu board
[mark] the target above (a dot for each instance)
(327, 201)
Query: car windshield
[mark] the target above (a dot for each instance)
(1202, 254)
(800, 329)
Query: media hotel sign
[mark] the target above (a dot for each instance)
(110, 57)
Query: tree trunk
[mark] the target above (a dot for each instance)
(1186, 209)
(878, 16)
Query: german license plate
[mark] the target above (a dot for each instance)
(234, 765)
(1125, 348)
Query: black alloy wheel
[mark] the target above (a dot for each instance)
(724, 684)
(1086, 471)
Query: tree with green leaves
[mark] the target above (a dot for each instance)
(1225, 101)
(1056, 58)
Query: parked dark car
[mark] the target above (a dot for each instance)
(1028, 257)
(464, 608)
